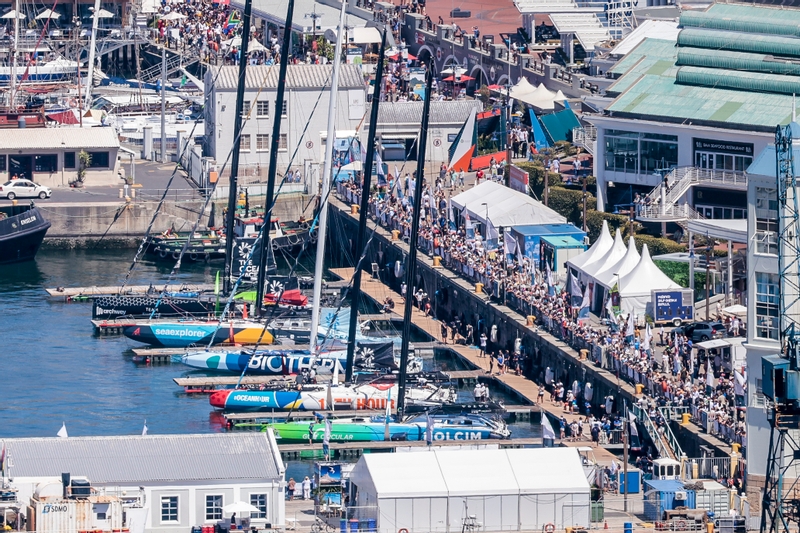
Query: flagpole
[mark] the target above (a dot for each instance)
(625, 440)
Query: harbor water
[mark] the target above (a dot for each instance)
(55, 369)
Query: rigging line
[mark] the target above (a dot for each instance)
(145, 241)
(41, 36)
(121, 209)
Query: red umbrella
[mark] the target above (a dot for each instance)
(412, 57)
(495, 87)
(462, 78)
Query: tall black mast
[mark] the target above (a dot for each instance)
(411, 267)
(361, 239)
(237, 137)
(273, 158)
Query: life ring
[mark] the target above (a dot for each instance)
(73, 102)
(162, 254)
(402, 530)
(193, 256)
(176, 255)
(549, 528)
(681, 525)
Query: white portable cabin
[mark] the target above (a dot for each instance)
(666, 469)
(730, 349)
(502, 490)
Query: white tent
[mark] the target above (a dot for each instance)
(597, 250)
(612, 273)
(48, 14)
(435, 490)
(636, 288)
(505, 207)
(614, 254)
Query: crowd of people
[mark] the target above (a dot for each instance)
(671, 372)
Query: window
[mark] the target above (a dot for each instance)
(99, 160)
(260, 501)
(283, 142)
(3, 164)
(244, 143)
(69, 160)
(283, 108)
(262, 142)
(640, 153)
(213, 506)
(262, 109)
(766, 235)
(246, 108)
(767, 305)
(169, 509)
(45, 163)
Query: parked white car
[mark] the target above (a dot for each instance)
(24, 189)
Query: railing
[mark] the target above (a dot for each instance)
(652, 430)
(585, 137)
(680, 180)
(668, 212)
(707, 468)
(672, 441)
(712, 426)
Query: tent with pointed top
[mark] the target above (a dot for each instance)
(635, 288)
(596, 251)
(614, 253)
(612, 272)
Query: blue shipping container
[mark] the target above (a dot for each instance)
(529, 237)
(660, 495)
(634, 484)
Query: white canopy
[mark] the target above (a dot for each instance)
(362, 35)
(608, 275)
(104, 14)
(523, 87)
(597, 250)
(13, 13)
(173, 15)
(506, 207)
(635, 289)
(48, 14)
(464, 473)
(614, 254)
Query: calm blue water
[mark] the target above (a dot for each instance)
(54, 369)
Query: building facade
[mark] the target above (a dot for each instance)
(166, 483)
(51, 156)
(304, 114)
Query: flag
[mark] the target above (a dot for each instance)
(551, 290)
(630, 332)
(634, 429)
(379, 168)
(463, 147)
(233, 21)
(584, 308)
(547, 428)
(144, 429)
(509, 243)
(450, 216)
(614, 467)
(63, 431)
(470, 230)
(575, 292)
(183, 81)
(428, 429)
(648, 337)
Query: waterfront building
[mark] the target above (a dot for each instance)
(697, 112)
(304, 114)
(167, 483)
(52, 156)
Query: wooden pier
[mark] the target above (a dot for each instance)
(356, 449)
(129, 290)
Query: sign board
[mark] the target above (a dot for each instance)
(241, 253)
(519, 179)
(725, 147)
(355, 102)
(673, 306)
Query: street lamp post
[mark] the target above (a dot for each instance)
(486, 222)
(584, 203)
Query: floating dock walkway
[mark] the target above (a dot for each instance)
(129, 290)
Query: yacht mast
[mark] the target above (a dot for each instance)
(327, 180)
(14, 45)
(92, 46)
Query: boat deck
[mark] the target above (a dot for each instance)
(129, 290)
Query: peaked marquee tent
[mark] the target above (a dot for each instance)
(596, 251)
(635, 289)
(613, 272)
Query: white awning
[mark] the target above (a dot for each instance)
(363, 35)
(505, 207)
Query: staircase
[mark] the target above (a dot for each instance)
(666, 443)
(174, 63)
(673, 208)
(585, 137)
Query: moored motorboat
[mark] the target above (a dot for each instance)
(22, 229)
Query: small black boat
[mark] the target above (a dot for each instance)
(22, 229)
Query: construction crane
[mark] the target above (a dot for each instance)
(781, 372)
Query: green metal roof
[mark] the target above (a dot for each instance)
(659, 97)
(651, 56)
(699, 57)
(739, 42)
(734, 79)
(744, 18)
